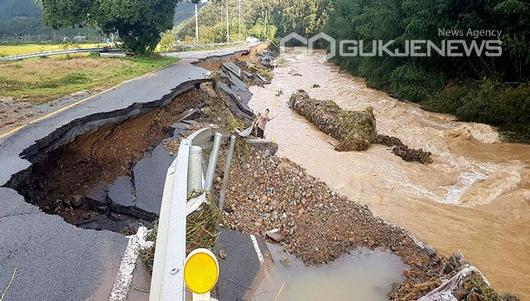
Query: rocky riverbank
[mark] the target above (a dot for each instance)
(276, 198)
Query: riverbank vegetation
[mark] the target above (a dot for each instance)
(491, 90)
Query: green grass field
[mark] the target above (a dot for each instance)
(44, 79)
(16, 49)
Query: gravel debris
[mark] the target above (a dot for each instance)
(316, 224)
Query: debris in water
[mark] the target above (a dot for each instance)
(355, 130)
(401, 150)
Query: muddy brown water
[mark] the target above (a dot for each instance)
(363, 274)
(475, 197)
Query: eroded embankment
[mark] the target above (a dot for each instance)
(107, 170)
(316, 224)
(63, 179)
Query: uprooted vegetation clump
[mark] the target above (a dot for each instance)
(354, 130)
(201, 232)
(401, 150)
(201, 226)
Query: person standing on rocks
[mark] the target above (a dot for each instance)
(262, 123)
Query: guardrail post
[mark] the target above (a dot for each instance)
(195, 170)
(214, 154)
(228, 164)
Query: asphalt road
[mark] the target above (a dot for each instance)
(43, 257)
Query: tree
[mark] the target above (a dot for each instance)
(138, 22)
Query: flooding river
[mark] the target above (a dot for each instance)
(475, 197)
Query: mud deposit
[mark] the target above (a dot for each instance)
(90, 182)
(474, 197)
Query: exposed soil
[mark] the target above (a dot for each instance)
(248, 62)
(59, 184)
(214, 63)
(11, 112)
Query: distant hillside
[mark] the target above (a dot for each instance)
(24, 17)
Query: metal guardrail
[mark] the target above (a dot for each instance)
(55, 52)
(211, 45)
(167, 282)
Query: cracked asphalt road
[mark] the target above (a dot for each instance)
(53, 259)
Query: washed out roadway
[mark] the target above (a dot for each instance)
(42, 256)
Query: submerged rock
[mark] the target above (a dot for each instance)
(355, 130)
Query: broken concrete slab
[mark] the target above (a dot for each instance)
(178, 128)
(233, 68)
(121, 192)
(98, 196)
(236, 83)
(240, 266)
(149, 178)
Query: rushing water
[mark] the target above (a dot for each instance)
(361, 275)
(475, 197)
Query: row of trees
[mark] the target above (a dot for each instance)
(23, 18)
(262, 19)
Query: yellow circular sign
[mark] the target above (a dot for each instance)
(201, 271)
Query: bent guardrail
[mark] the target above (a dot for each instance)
(55, 52)
(167, 282)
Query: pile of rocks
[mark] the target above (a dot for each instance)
(275, 198)
(355, 130)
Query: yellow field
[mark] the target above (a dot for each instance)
(16, 49)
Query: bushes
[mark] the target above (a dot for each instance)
(448, 100)
(487, 101)
(483, 105)
(413, 83)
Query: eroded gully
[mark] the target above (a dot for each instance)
(473, 198)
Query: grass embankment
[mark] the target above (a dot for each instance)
(41, 80)
(17, 49)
